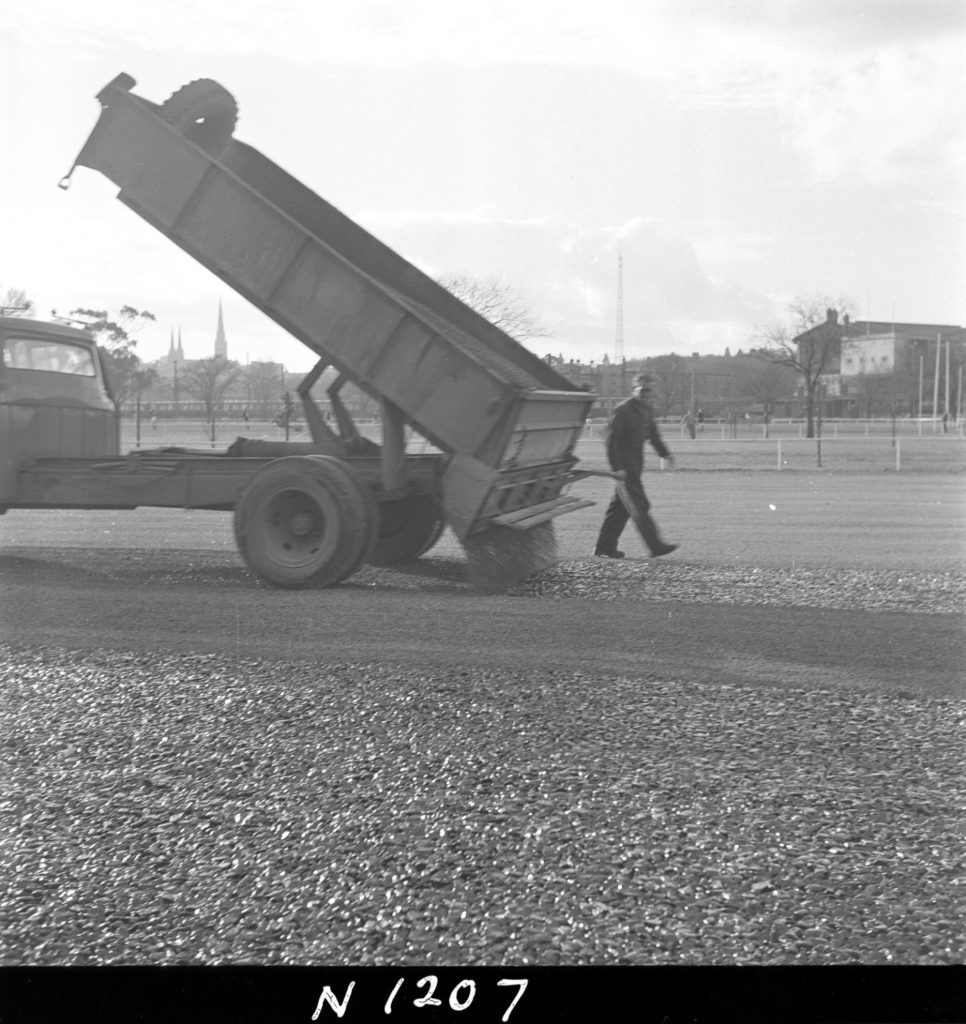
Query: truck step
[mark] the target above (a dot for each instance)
(524, 518)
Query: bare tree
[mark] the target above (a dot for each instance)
(264, 383)
(810, 342)
(764, 380)
(499, 304)
(673, 382)
(115, 337)
(16, 303)
(208, 380)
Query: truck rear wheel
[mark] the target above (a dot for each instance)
(369, 512)
(305, 521)
(408, 528)
(204, 112)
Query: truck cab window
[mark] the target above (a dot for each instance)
(47, 356)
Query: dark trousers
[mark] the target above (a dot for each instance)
(617, 515)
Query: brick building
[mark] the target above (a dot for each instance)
(877, 368)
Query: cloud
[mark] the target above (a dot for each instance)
(896, 114)
(566, 272)
(864, 90)
(868, 88)
(719, 244)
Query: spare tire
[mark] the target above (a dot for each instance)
(204, 112)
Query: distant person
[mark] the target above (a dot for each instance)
(945, 422)
(154, 421)
(687, 421)
(633, 424)
(700, 421)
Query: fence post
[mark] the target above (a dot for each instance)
(898, 458)
(779, 454)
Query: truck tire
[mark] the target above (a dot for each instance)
(408, 528)
(369, 509)
(204, 112)
(303, 521)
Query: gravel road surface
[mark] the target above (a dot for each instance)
(615, 763)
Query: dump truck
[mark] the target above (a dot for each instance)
(502, 424)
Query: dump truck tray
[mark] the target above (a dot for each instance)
(500, 413)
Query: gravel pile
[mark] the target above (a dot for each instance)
(196, 809)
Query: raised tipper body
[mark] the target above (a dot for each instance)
(505, 422)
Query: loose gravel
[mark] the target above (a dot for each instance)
(163, 809)
(600, 579)
(867, 589)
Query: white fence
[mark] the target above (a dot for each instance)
(884, 427)
(927, 454)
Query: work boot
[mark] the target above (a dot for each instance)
(662, 549)
(608, 554)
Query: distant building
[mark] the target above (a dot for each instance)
(169, 367)
(221, 343)
(878, 367)
(611, 382)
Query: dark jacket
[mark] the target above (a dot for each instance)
(632, 425)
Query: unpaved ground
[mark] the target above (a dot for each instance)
(750, 752)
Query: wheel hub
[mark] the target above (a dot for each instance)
(301, 524)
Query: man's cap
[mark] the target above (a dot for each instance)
(643, 380)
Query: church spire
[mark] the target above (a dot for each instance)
(221, 345)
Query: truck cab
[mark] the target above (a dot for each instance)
(55, 401)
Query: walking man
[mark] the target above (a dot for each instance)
(633, 425)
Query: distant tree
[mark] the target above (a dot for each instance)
(673, 381)
(810, 342)
(764, 380)
(877, 392)
(264, 383)
(208, 380)
(499, 304)
(115, 337)
(15, 303)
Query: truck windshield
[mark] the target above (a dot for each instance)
(48, 356)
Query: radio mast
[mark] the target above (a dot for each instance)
(619, 342)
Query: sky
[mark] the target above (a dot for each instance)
(734, 154)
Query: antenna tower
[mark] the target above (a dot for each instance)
(619, 343)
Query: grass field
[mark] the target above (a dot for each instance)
(844, 447)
